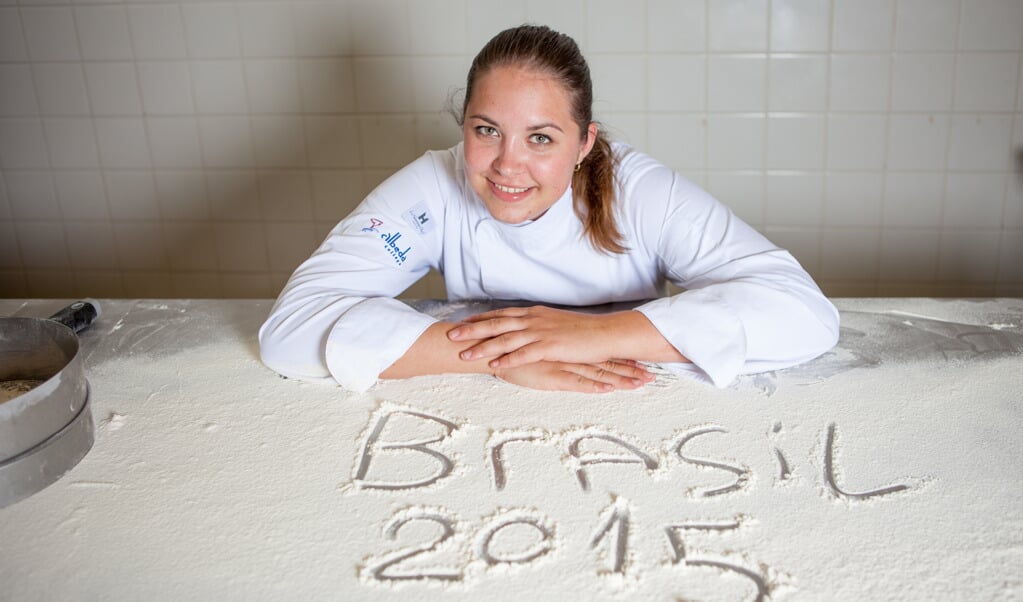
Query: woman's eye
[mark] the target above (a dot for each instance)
(541, 139)
(486, 130)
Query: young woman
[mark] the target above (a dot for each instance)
(536, 205)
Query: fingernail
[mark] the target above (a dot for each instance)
(454, 334)
(466, 355)
(494, 364)
(637, 382)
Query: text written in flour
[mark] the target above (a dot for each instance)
(416, 455)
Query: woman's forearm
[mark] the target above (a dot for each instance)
(634, 336)
(435, 353)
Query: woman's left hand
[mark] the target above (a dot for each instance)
(517, 336)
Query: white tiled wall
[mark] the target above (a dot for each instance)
(203, 148)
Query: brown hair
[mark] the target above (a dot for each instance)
(593, 184)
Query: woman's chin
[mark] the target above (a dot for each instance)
(514, 213)
(509, 218)
(507, 213)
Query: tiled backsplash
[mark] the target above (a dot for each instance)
(202, 149)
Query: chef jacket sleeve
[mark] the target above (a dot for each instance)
(336, 318)
(747, 305)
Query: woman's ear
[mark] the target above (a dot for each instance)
(591, 139)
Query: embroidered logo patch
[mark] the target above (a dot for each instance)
(398, 254)
(419, 218)
(392, 248)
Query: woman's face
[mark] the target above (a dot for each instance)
(521, 143)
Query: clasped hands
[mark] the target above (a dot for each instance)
(546, 348)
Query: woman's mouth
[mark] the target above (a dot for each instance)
(510, 190)
(508, 193)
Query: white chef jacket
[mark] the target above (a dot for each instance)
(747, 306)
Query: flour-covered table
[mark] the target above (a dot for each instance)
(887, 469)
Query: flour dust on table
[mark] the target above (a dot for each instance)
(885, 470)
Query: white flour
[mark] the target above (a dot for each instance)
(892, 474)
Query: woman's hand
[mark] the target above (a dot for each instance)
(525, 335)
(604, 377)
(518, 336)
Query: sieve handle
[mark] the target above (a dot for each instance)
(79, 315)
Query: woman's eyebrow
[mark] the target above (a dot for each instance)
(531, 128)
(483, 118)
(542, 126)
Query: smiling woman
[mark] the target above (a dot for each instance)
(536, 205)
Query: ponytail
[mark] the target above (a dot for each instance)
(594, 194)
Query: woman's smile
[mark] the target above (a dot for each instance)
(509, 190)
(509, 194)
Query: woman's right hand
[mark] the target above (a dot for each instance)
(605, 377)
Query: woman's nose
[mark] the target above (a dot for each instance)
(509, 159)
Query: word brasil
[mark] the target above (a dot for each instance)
(373, 447)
